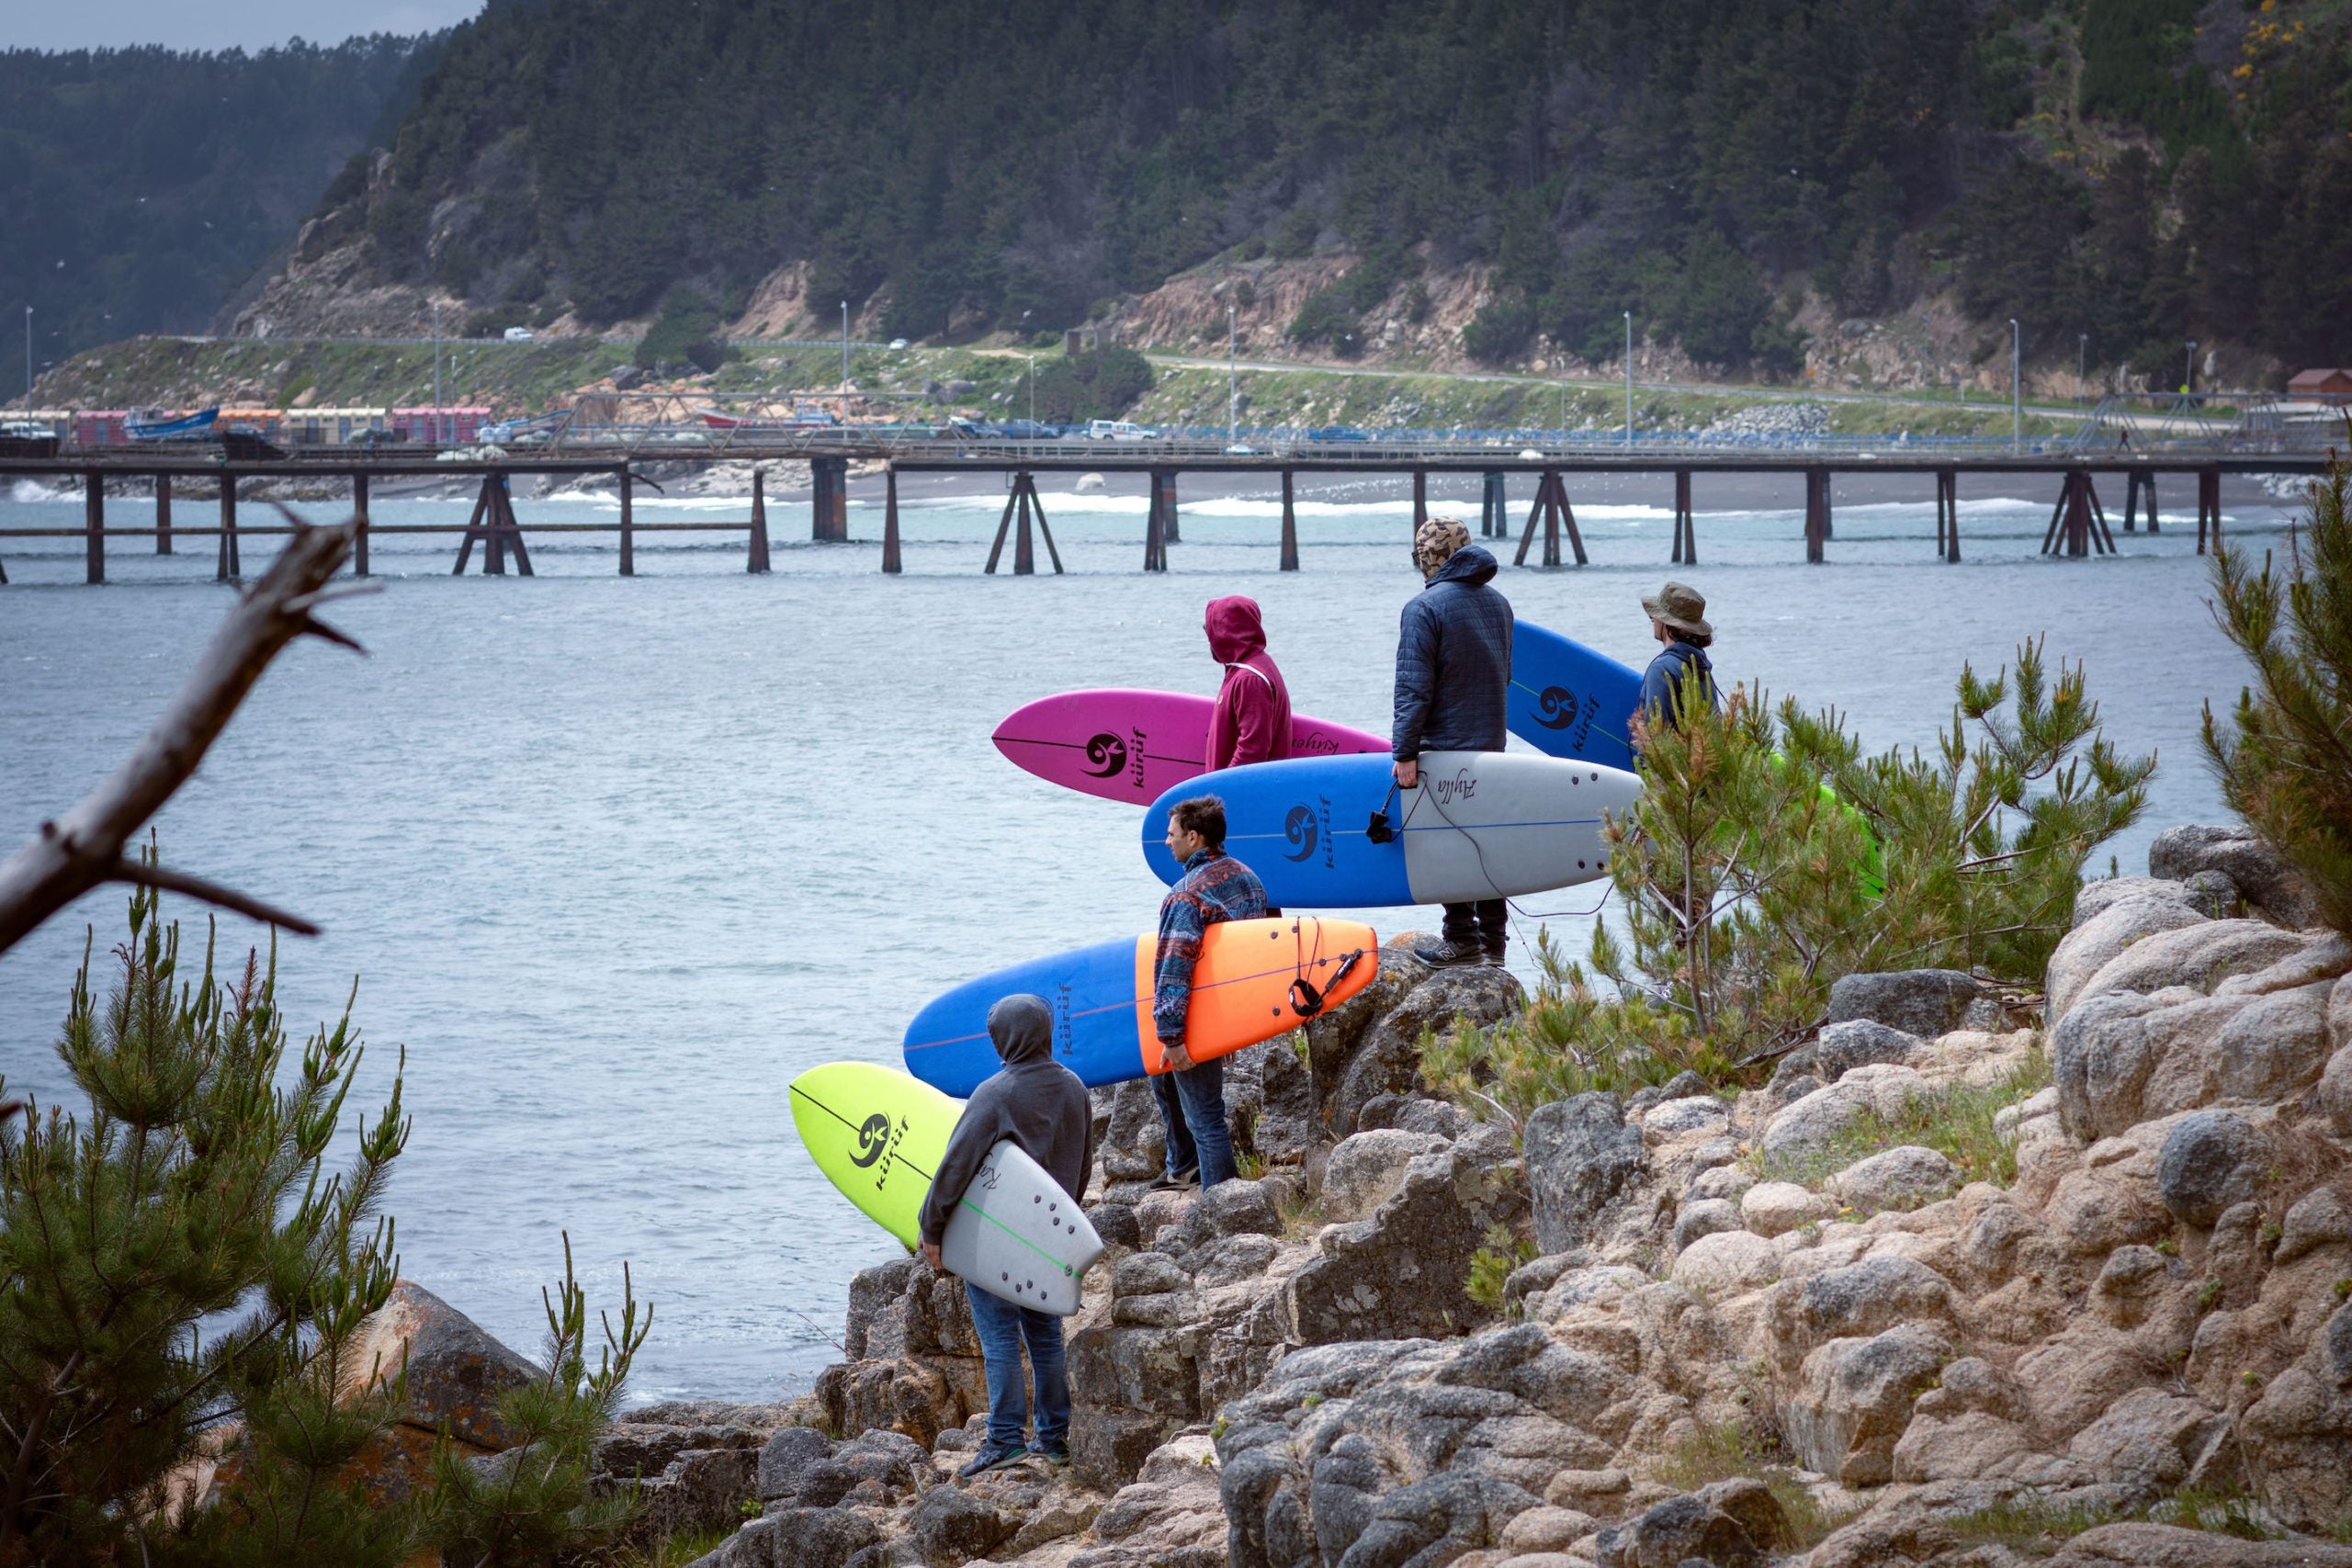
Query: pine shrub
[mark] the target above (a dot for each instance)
(2285, 763)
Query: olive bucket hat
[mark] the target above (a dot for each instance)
(1682, 607)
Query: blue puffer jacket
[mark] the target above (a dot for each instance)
(1454, 661)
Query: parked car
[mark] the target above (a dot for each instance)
(1119, 430)
(376, 437)
(518, 334)
(1028, 430)
(898, 342)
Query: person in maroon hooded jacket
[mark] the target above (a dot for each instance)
(1252, 720)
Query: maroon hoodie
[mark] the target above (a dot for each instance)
(1252, 720)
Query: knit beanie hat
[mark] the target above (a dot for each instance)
(1435, 541)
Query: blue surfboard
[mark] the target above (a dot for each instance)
(1568, 701)
(1482, 825)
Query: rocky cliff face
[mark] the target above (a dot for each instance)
(1946, 1291)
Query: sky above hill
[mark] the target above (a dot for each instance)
(247, 24)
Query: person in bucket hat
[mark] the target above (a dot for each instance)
(1679, 619)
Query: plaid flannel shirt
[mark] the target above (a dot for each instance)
(1215, 887)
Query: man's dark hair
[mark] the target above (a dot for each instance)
(1204, 815)
(1696, 640)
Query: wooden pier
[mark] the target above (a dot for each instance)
(2078, 524)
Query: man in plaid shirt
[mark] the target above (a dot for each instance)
(1215, 887)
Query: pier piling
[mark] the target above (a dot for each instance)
(1816, 513)
(829, 499)
(359, 524)
(756, 558)
(1686, 526)
(1493, 521)
(2135, 482)
(227, 566)
(163, 514)
(1421, 498)
(1553, 511)
(628, 523)
(1290, 523)
(891, 563)
(2209, 506)
(94, 525)
(1948, 515)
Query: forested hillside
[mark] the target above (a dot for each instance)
(2135, 171)
(138, 187)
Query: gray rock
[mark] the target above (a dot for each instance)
(1231, 1259)
(1706, 1216)
(2264, 879)
(1148, 1274)
(2210, 1160)
(2215, 894)
(1116, 1225)
(1859, 1042)
(1684, 1085)
(1434, 1118)
(1366, 1169)
(702, 1489)
(1922, 1002)
(789, 1456)
(1866, 1298)
(2171, 1546)
(1405, 1270)
(2321, 1217)
(2201, 956)
(2277, 1047)
(1854, 1400)
(1678, 1118)
(1581, 1155)
(2121, 1058)
(797, 1538)
(2119, 925)
(1386, 1057)
(1435, 1520)
(1812, 1125)
(1902, 1178)
(1334, 1039)
(2335, 1091)
(1674, 1532)
(456, 1372)
(950, 1526)
(1236, 1208)
(1136, 1146)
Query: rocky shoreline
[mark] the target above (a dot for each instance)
(1782, 1327)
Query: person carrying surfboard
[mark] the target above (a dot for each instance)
(1215, 887)
(1678, 615)
(1452, 692)
(1040, 1106)
(1252, 720)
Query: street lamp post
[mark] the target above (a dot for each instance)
(437, 435)
(2017, 394)
(28, 359)
(2083, 365)
(844, 345)
(1629, 377)
(2189, 377)
(1232, 373)
(1033, 397)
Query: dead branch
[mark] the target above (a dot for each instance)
(85, 847)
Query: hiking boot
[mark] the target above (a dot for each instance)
(1494, 958)
(1182, 1180)
(1447, 953)
(992, 1457)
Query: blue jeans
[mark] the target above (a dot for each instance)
(1004, 1328)
(1191, 1109)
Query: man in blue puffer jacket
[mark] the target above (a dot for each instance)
(1453, 676)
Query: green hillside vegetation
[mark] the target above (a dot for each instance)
(143, 186)
(2141, 171)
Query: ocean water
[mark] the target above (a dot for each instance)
(611, 860)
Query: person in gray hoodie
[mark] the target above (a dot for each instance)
(1040, 1106)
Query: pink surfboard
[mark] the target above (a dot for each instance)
(1136, 746)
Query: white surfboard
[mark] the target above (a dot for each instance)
(1497, 824)
(1020, 1237)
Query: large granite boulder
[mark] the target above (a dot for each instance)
(1921, 1002)
(1370, 1045)
(1580, 1155)
(2262, 876)
(456, 1372)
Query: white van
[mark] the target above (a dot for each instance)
(1118, 430)
(518, 334)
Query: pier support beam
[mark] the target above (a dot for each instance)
(2135, 482)
(1948, 514)
(1170, 534)
(1494, 521)
(1159, 519)
(756, 558)
(493, 523)
(1816, 513)
(1686, 526)
(2209, 506)
(829, 499)
(94, 525)
(1021, 505)
(359, 524)
(2078, 525)
(163, 514)
(1421, 498)
(890, 521)
(628, 523)
(228, 567)
(1290, 522)
(1553, 511)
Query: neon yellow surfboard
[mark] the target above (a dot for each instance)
(877, 1134)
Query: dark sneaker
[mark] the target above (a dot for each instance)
(1189, 1176)
(1495, 958)
(1446, 954)
(1056, 1455)
(992, 1457)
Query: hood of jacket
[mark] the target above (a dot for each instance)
(1470, 564)
(1022, 1027)
(1235, 629)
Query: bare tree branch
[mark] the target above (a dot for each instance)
(147, 875)
(85, 846)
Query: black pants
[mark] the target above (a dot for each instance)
(1484, 923)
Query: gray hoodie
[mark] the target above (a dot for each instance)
(1035, 1101)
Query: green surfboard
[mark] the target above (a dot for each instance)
(877, 1134)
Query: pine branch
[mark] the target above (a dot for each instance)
(85, 847)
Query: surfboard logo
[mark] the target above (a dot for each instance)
(1299, 828)
(1107, 754)
(873, 1137)
(1461, 786)
(1556, 708)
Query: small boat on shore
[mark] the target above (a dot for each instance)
(155, 424)
(798, 418)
